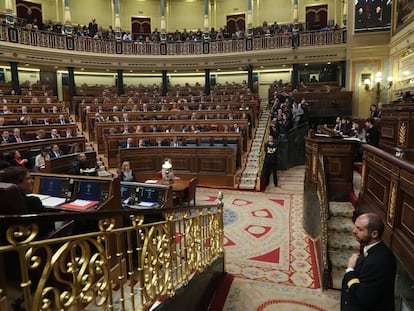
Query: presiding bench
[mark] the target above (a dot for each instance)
(114, 142)
(212, 166)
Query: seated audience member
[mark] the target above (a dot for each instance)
(81, 166)
(159, 142)
(128, 144)
(68, 133)
(372, 133)
(40, 160)
(379, 111)
(40, 134)
(373, 111)
(16, 138)
(346, 126)
(20, 176)
(17, 160)
(54, 134)
(175, 142)
(5, 137)
(126, 174)
(61, 119)
(141, 143)
(75, 148)
(338, 124)
(55, 152)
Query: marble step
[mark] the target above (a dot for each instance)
(341, 209)
(247, 186)
(342, 241)
(339, 259)
(249, 175)
(340, 224)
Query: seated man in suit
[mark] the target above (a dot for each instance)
(81, 166)
(55, 152)
(175, 142)
(61, 119)
(16, 138)
(54, 134)
(129, 143)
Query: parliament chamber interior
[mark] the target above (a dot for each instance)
(117, 116)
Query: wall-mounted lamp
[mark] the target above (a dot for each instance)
(379, 83)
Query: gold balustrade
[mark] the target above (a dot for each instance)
(131, 267)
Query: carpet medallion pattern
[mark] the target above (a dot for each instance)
(264, 239)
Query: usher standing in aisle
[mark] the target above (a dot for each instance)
(269, 164)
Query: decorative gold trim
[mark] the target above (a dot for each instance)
(391, 204)
(402, 134)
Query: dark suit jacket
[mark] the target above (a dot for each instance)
(52, 154)
(12, 139)
(370, 287)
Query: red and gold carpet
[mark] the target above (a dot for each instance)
(264, 240)
(267, 250)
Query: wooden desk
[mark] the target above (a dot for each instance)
(179, 188)
(338, 156)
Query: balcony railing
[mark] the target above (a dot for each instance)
(86, 44)
(130, 266)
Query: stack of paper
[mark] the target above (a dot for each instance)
(80, 204)
(53, 201)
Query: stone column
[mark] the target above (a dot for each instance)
(249, 25)
(342, 65)
(345, 13)
(15, 77)
(164, 83)
(72, 87)
(163, 32)
(295, 76)
(207, 85)
(206, 34)
(120, 85)
(118, 34)
(9, 13)
(295, 30)
(250, 77)
(68, 19)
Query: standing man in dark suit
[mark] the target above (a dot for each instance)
(368, 283)
(269, 164)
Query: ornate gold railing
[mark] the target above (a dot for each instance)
(128, 266)
(324, 214)
(86, 44)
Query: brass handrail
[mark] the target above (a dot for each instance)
(324, 214)
(132, 265)
(86, 44)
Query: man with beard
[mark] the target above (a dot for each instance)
(368, 283)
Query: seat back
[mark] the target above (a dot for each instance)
(191, 193)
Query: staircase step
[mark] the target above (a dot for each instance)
(340, 224)
(341, 209)
(339, 259)
(342, 241)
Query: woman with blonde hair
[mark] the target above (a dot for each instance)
(127, 174)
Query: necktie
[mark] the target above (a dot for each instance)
(18, 139)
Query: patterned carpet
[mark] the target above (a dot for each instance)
(267, 250)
